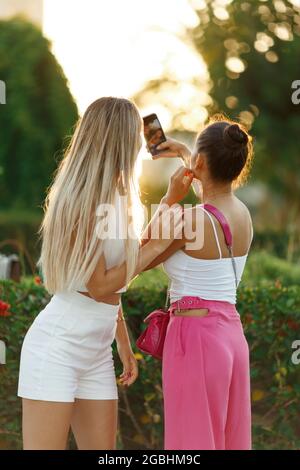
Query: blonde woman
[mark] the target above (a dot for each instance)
(67, 376)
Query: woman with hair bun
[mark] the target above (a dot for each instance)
(206, 378)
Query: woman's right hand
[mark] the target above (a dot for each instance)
(172, 148)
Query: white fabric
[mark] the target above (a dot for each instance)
(210, 279)
(67, 353)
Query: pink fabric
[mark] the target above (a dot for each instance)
(206, 379)
(223, 221)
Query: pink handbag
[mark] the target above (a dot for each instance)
(152, 339)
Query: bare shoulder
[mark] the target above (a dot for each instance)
(244, 211)
(246, 220)
(193, 216)
(196, 223)
(244, 207)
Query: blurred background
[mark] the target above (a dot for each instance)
(183, 60)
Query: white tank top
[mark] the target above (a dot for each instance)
(210, 279)
(114, 248)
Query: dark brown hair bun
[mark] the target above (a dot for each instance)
(227, 147)
(234, 136)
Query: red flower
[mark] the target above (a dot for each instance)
(4, 307)
(37, 280)
(248, 318)
(282, 333)
(4, 313)
(292, 324)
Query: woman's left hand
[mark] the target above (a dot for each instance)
(130, 366)
(179, 185)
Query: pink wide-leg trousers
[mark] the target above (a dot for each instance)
(206, 380)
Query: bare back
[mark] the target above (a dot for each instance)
(239, 219)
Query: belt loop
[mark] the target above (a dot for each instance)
(178, 306)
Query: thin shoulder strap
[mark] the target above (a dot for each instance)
(227, 234)
(223, 221)
(214, 228)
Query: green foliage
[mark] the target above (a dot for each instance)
(262, 92)
(18, 233)
(39, 113)
(268, 268)
(284, 244)
(26, 300)
(271, 319)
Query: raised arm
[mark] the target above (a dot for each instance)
(178, 188)
(104, 282)
(172, 148)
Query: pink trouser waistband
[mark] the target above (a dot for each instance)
(213, 306)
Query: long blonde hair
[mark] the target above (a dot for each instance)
(101, 157)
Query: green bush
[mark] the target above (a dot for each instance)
(39, 115)
(282, 243)
(18, 232)
(271, 319)
(264, 268)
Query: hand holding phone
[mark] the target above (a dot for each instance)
(153, 133)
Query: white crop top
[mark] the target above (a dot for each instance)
(210, 279)
(114, 248)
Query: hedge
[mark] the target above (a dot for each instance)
(271, 319)
(264, 267)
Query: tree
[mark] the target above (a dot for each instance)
(38, 114)
(252, 51)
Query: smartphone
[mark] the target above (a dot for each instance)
(153, 133)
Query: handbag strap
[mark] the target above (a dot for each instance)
(223, 222)
(167, 295)
(227, 233)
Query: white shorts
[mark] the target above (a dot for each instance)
(67, 353)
